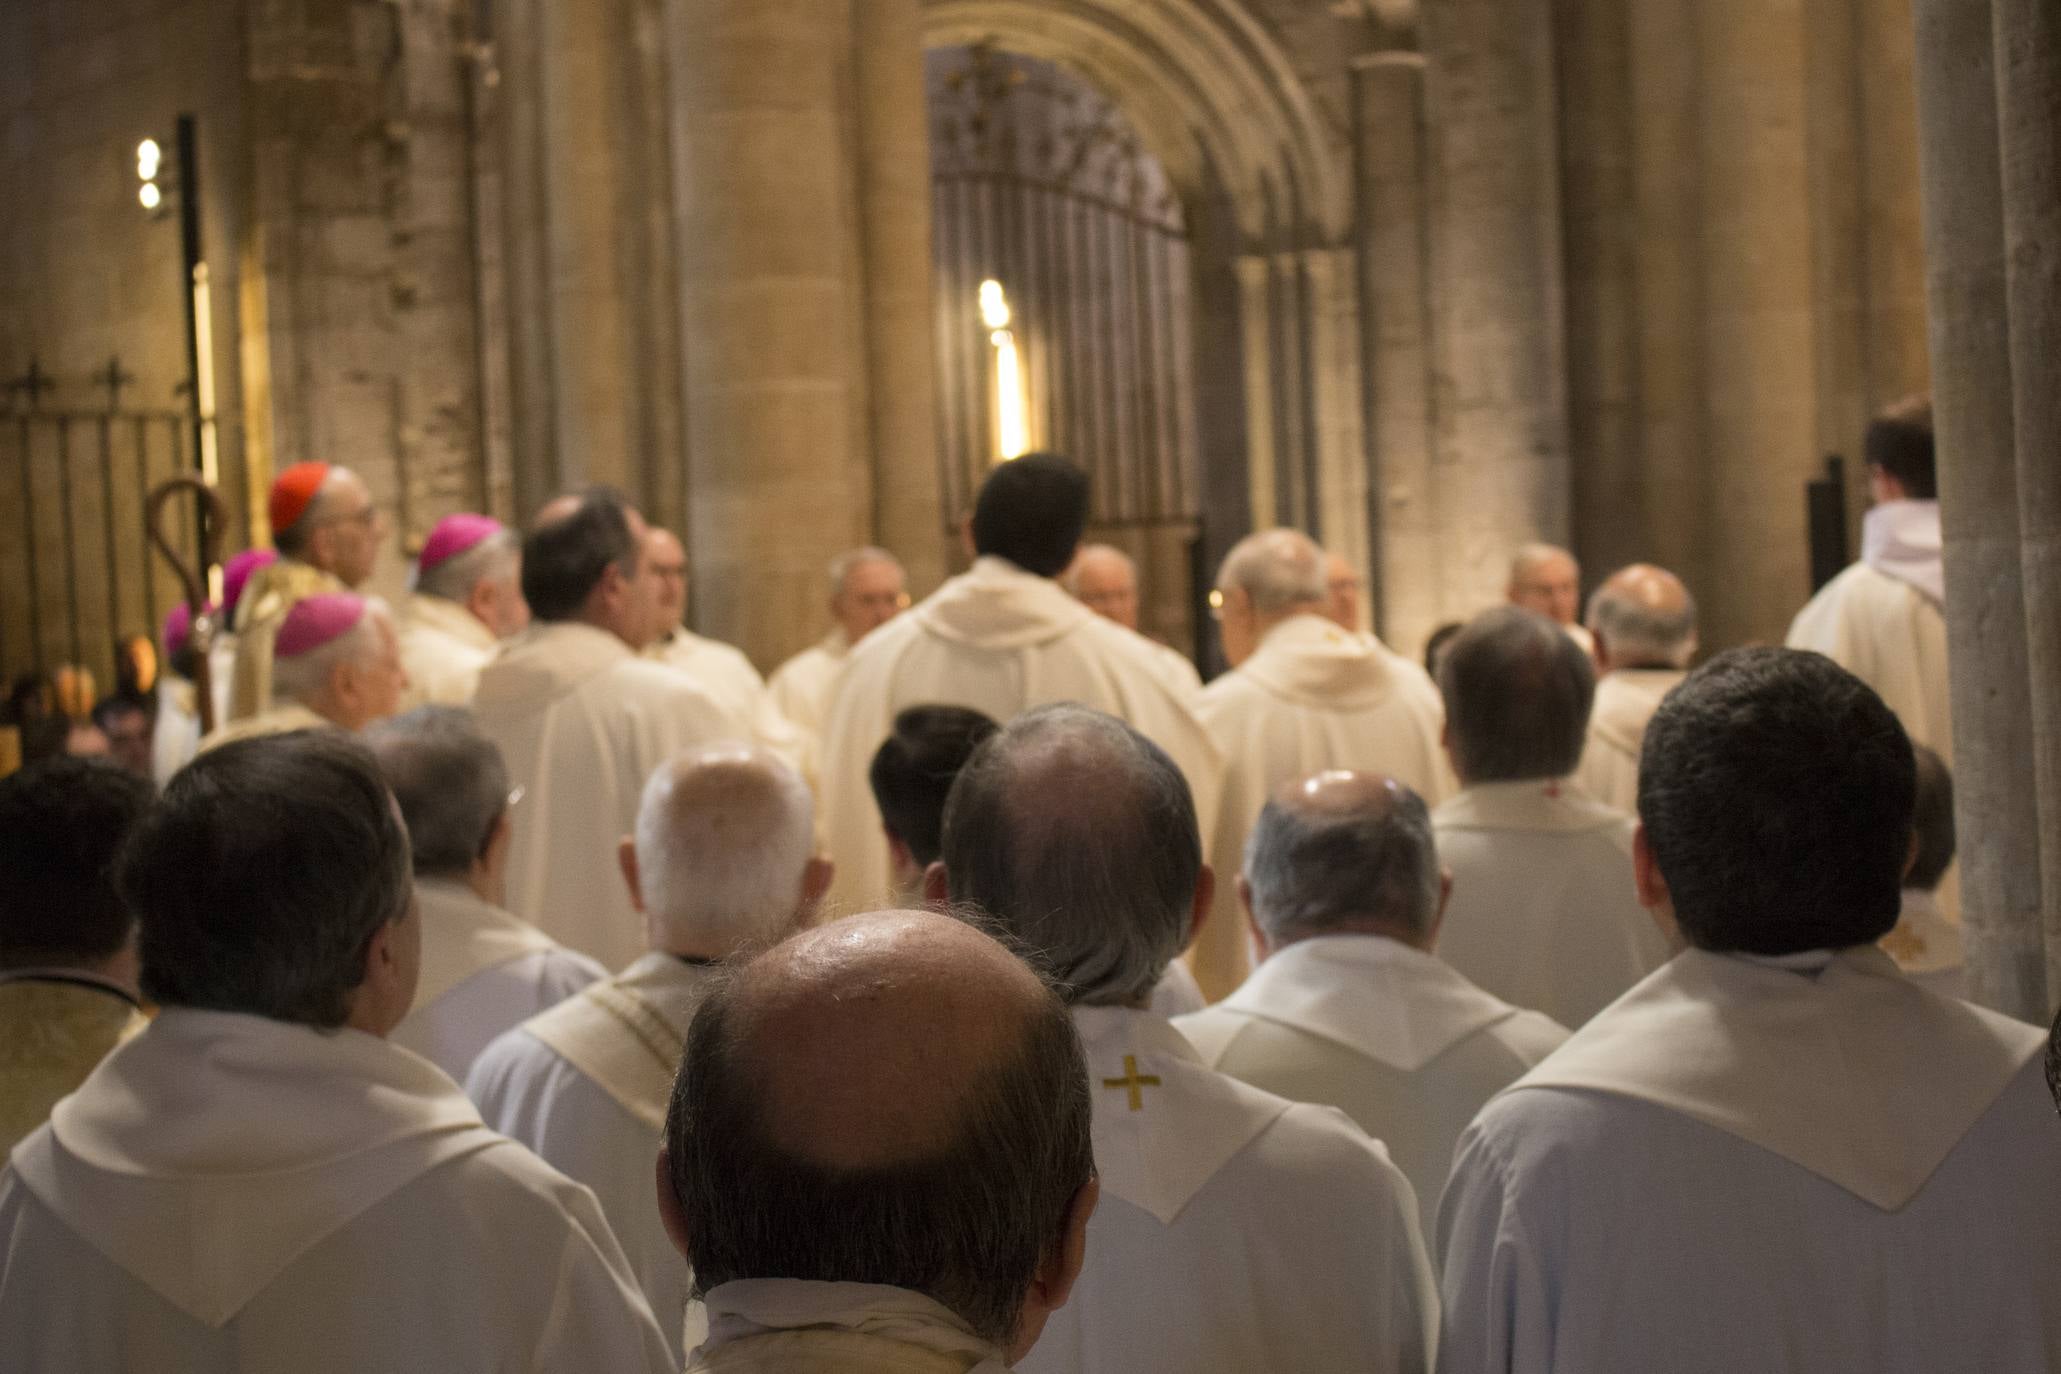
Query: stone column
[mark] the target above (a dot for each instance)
(1996, 804)
(1499, 365)
(1341, 432)
(894, 207)
(765, 222)
(1255, 320)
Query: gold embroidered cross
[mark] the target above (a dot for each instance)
(1133, 1080)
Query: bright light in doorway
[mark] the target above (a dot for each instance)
(1012, 427)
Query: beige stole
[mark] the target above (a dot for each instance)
(627, 1033)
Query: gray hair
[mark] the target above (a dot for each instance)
(1070, 580)
(1636, 634)
(1314, 871)
(301, 677)
(450, 781)
(842, 565)
(723, 835)
(1078, 834)
(454, 578)
(1517, 691)
(1277, 569)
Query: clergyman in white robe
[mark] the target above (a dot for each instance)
(1626, 699)
(803, 686)
(726, 674)
(444, 647)
(230, 1193)
(1789, 1166)
(996, 639)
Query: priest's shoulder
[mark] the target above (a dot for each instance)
(506, 1184)
(662, 682)
(1857, 588)
(1323, 1148)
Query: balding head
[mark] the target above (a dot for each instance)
(891, 1099)
(1078, 834)
(1266, 578)
(724, 853)
(1643, 617)
(584, 559)
(1105, 580)
(867, 589)
(1517, 692)
(1546, 579)
(1342, 588)
(1343, 851)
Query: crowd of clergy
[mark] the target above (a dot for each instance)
(514, 979)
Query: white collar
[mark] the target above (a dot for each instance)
(1902, 539)
(1310, 660)
(745, 1308)
(996, 605)
(1833, 1061)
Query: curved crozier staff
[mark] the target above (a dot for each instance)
(193, 581)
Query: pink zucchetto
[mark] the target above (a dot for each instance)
(316, 621)
(453, 535)
(237, 571)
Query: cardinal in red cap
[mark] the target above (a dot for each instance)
(328, 533)
(467, 599)
(336, 662)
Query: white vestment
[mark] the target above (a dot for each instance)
(1788, 1167)
(582, 722)
(1387, 1034)
(1926, 945)
(726, 674)
(443, 647)
(175, 735)
(1883, 621)
(998, 640)
(804, 1326)
(483, 972)
(1544, 913)
(228, 1194)
(803, 686)
(586, 1085)
(1311, 697)
(1626, 699)
(277, 719)
(1237, 1232)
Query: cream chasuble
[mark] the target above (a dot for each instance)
(1544, 914)
(1387, 1034)
(1311, 697)
(586, 1085)
(272, 591)
(443, 647)
(1237, 1232)
(801, 1326)
(1786, 1166)
(998, 640)
(1626, 699)
(802, 686)
(228, 1193)
(276, 719)
(55, 1025)
(726, 674)
(483, 972)
(582, 722)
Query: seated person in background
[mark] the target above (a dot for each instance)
(1350, 1007)
(1925, 944)
(334, 661)
(484, 970)
(878, 1154)
(722, 861)
(67, 944)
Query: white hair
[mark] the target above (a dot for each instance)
(1633, 633)
(1529, 556)
(453, 579)
(304, 675)
(1071, 578)
(1278, 570)
(723, 836)
(842, 565)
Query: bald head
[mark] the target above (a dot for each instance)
(1105, 580)
(892, 1099)
(1266, 578)
(1643, 617)
(1545, 578)
(1343, 851)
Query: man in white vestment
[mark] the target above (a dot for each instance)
(1546, 579)
(466, 599)
(484, 971)
(878, 1157)
(175, 734)
(1544, 914)
(867, 589)
(1925, 943)
(1104, 578)
(999, 639)
(336, 661)
(1777, 1153)
(1883, 619)
(1351, 1006)
(260, 1181)
(1643, 622)
(722, 860)
(582, 720)
(1303, 695)
(1237, 1231)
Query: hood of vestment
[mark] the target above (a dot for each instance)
(997, 605)
(1833, 1060)
(214, 1149)
(1313, 662)
(808, 1325)
(464, 934)
(1626, 699)
(547, 662)
(1902, 539)
(441, 615)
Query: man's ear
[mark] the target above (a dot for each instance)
(1910, 857)
(937, 888)
(626, 855)
(1198, 911)
(669, 1213)
(815, 881)
(1056, 1276)
(1646, 874)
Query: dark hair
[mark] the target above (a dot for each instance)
(1517, 691)
(1435, 647)
(1776, 790)
(563, 560)
(1932, 819)
(262, 876)
(107, 709)
(62, 825)
(1899, 441)
(967, 1225)
(1031, 511)
(1101, 881)
(913, 769)
(449, 780)
(1315, 871)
